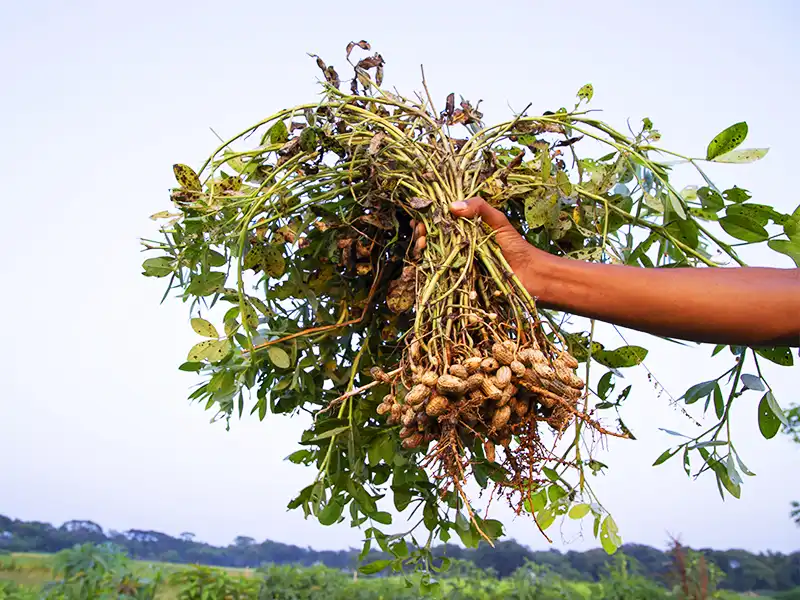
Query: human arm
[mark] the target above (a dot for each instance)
(746, 306)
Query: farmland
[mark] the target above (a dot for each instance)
(26, 576)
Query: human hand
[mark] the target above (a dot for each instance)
(521, 255)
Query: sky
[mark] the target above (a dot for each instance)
(99, 99)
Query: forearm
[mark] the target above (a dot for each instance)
(743, 306)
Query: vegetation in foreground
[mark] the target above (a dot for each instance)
(91, 571)
(740, 570)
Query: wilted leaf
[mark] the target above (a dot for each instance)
(204, 328)
(375, 143)
(420, 203)
(743, 156)
(727, 140)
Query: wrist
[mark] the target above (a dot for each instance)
(547, 276)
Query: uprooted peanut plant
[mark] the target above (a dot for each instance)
(427, 368)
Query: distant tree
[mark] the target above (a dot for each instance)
(187, 536)
(243, 541)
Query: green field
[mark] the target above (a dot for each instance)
(34, 571)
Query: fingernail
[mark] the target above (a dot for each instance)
(460, 205)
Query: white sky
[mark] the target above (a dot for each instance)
(100, 99)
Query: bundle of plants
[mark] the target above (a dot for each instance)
(427, 366)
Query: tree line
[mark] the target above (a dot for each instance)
(743, 571)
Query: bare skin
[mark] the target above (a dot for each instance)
(748, 306)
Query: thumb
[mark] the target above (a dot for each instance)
(478, 206)
(516, 250)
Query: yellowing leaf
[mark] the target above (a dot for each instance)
(586, 92)
(539, 210)
(211, 350)
(204, 328)
(747, 155)
(186, 177)
(579, 511)
(272, 261)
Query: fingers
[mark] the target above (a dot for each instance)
(478, 206)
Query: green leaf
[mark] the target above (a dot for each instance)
(551, 474)
(186, 177)
(747, 155)
(699, 390)
(308, 139)
(537, 502)
(299, 456)
(710, 199)
(736, 195)
(743, 228)
(719, 403)
(626, 356)
(556, 492)
(579, 511)
(605, 385)
(792, 226)
(775, 408)
(780, 355)
(727, 140)
(279, 357)
(790, 248)
(492, 528)
(332, 511)
(212, 350)
(384, 518)
(204, 328)
(374, 567)
(400, 549)
(330, 433)
(563, 183)
(757, 212)
(278, 133)
(665, 456)
(545, 518)
(157, 267)
(609, 535)
(586, 92)
(724, 479)
(191, 367)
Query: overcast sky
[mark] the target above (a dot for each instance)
(99, 99)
